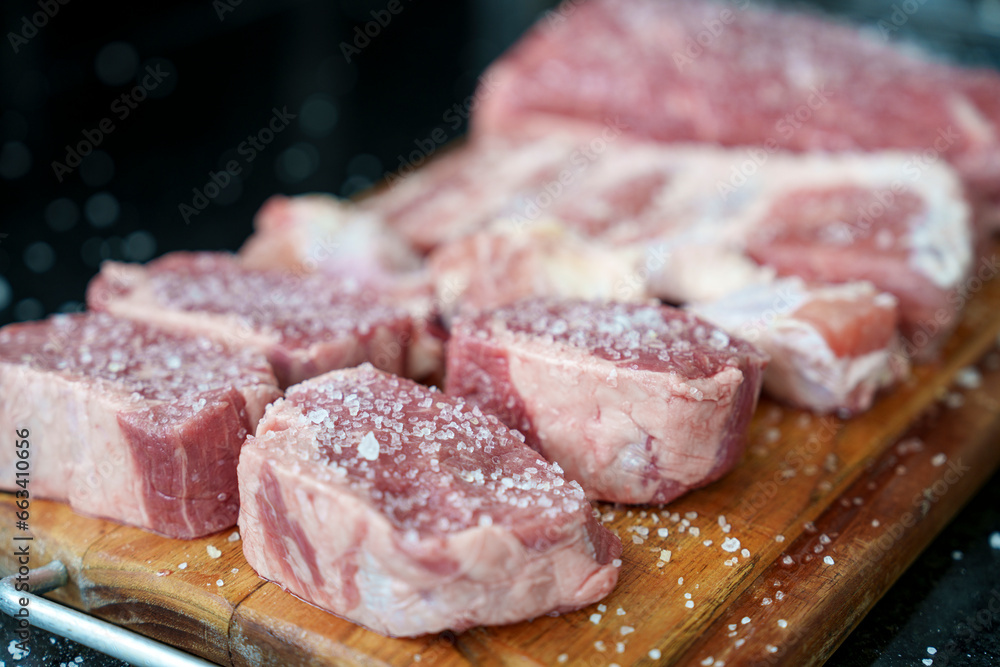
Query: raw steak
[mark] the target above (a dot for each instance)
(637, 403)
(505, 264)
(711, 221)
(321, 234)
(467, 188)
(410, 512)
(131, 423)
(738, 75)
(305, 324)
(831, 347)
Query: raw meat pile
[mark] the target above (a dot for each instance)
(444, 518)
(803, 198)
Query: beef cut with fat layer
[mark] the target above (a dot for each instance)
(832, 347)
(638, 403)
(734, 74)
(131, 423)
(409, 511)
(305, 324)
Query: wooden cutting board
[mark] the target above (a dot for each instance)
(829, 512)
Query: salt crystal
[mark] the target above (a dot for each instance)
(957, 555)
(595, 618)
(745, 620)
(739, 642)
(695, 531)
(680, 581)
(707, 543)
(627, 630)
(968, 378)
(617, 562)
(219, 582)
(213, 552)
(182, 566)
(620, 611)
(689, 604)
(771, 648)
(620, 647)
(931, 650)
(655, 654)
(368, 448)
(665, 555)
(235, 537)
(745, 553)
(602, 608)
(928, 661)
(765, 602)
(562, 658)
(995, 540)
(687, 596)
(939, 460)
(663, 532)
(779, 538)
(827, 560)
(599, 645)
(782, 623)
(730, 544)
(708, 661)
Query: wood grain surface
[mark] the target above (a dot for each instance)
(827, 512)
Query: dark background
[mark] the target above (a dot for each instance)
(228, 67)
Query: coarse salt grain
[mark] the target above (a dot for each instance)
(779, 538)
(620, 611)
(939, 460)
(595, 618)
(602, 608)
(782, 623)
(182, 566)
(995, 540)
(739, 642)
(745, 553)
(680, 581)
(745, 620)
(616, 562)
(730, 544)
(627, 630)
(931, 650)
(689, 604)
(927, 661)
(665, 555)
(562, 657)
(219, 582)
(654, 654)
(599, 645)
(708, 661)
(662, 532)
(213, 552)
(235, 537)
(827, 560)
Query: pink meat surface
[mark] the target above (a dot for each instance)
(499, 266)
(131, 423)
(408, 511)
(320, 234)
(705, 221)
(832, 347)
(464, 190)
(305, 324)
(737, 75)
(637, 403)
